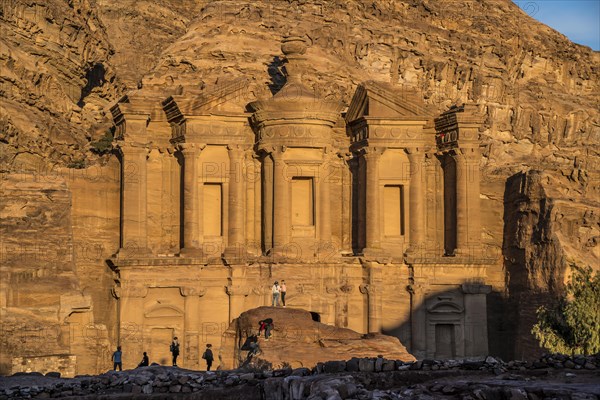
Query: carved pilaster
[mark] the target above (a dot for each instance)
(372, 156)
(416, 157)
(281, 204)
(418, 320)
(235, 231)
(134, 211)
(192, 226)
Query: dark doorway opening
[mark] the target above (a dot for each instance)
(315, 316)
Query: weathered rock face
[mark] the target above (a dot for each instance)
(298, 341)
(62, 63)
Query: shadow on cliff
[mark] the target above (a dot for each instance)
(533, 263)
(278, 78)
(95, 77)
(443, 315)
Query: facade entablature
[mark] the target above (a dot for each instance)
(390, 132)
(295, 135)
(458, 127)
(214, 130)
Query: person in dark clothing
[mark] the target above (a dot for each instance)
(175, 350)
(117, 359)
(145, 362)
(251, 345)
(208, 356)
(261, 326)
(268, 327)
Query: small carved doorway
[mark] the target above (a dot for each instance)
(161, 339)
(445, 341)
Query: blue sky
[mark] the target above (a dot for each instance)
(579, 20)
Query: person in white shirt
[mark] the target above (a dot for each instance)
(275, 291)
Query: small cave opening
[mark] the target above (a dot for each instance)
(95, 77)
(315, 316)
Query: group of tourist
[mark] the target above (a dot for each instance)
(266, 325)
(278, 291)
(117, 357)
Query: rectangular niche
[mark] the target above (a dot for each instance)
(303, 201)
(393, 206)
(213, 209)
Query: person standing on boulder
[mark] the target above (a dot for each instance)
(208, 356)
(275, 290)
(174, 350)
(117, 359)
(282, 290)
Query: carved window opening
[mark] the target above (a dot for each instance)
(213, 209)
(303, 201)
(393, 209)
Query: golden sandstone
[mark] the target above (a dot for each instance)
(422, 194)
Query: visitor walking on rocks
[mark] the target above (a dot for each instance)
(175, 350)
(145, 362)
(275, 290)
(268, 328)
(282, 290)
(117, 359)
(208, 356)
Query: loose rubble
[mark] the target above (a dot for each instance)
(552, 376)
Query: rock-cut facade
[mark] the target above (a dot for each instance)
(370, 213)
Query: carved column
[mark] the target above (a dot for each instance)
(468, 225)
(372, 290)
(472, 158)
(192, 229)
(134, 211)
(417, 222)
(281, 204)
(235, 230)
(418, 321)
(325, 201)
(373, 223)
(267, 195)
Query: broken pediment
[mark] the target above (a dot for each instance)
(224, 97)
(382, 100)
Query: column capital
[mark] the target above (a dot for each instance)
(132, 147)
(237, 147)
(191, 148)
(237, 290)
(415, 289)
(414, 151)
(367, 288)
(373, 152)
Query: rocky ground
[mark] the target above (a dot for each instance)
(551, 377)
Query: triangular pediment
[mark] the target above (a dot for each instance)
(383, 100)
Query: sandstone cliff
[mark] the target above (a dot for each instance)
(63, 63)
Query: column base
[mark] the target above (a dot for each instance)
(133, 252)
(376, 254)
(237, 255)
(191, 252)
